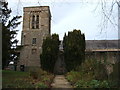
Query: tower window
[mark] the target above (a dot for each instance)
(34, 41)
(37, 21)
(33, 22)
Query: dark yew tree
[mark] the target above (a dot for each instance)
(74, 49)
(9, 33)
(50, 49)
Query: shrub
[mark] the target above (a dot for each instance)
(92, 84)
(37, 73)
(104, 84)
(80, 84)
(69, 78)
(46, 79)
(73, 76)
(41, 85)
(87, 84)
(34, 74)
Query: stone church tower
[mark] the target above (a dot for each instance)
(36, 27)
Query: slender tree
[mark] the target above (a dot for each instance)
(74, 49)
(50, 49)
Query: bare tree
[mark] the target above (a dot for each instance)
(107, 11)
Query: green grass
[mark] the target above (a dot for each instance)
(12, 75)
(16, 79)
(8, 77)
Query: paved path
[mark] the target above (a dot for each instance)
(60, 82)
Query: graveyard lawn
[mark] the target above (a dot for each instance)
(16, 79)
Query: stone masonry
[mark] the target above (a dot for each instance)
(36, 27)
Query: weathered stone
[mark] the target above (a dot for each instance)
(30, 53)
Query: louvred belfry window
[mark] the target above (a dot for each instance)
(37, 21)
(33, 21)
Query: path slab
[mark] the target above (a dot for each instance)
(60, 82)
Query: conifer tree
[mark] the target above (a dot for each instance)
(9, 33)
(74, 49)
(50, 49)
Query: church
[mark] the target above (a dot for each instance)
(37, 26)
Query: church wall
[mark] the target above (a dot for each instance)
(107, 58)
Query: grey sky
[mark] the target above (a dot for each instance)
(69, 15)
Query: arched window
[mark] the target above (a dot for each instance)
(33, 21)
(37, 21)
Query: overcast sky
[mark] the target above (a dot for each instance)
(73, 14)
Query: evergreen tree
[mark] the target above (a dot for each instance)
(50, 49)
(74, 49)
(9, 32)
